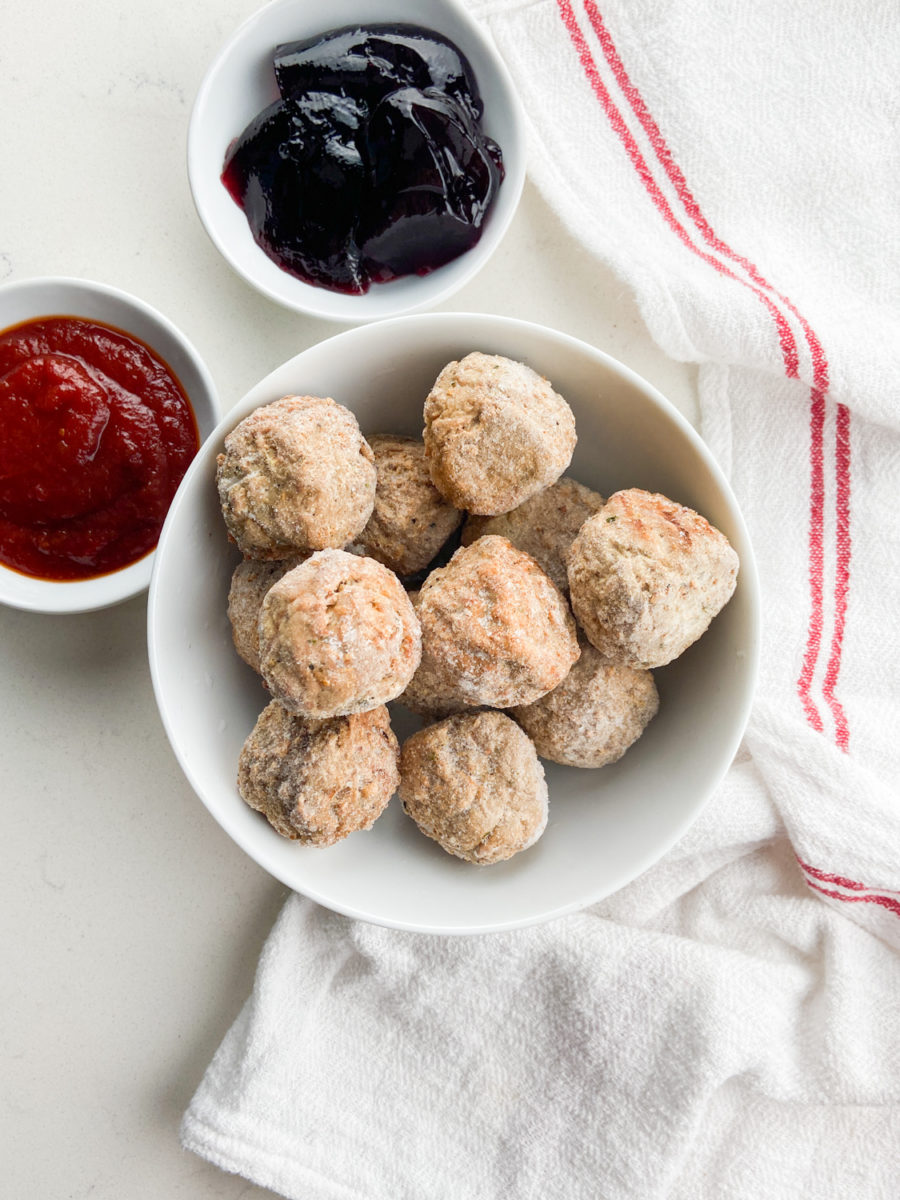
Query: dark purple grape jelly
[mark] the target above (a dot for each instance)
(373, 164)
(297, 173)
(367, 63)
(433, 177)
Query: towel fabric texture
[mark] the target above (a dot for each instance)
(727, 1026)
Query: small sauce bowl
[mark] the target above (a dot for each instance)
(31, 299)
(241, 82)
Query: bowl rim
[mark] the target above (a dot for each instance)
(60, 597)
(749, 581)
(350, 309)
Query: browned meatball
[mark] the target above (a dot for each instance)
(646, 577)
(411, 519)
(430, 695)
(595, 714)
(337, 635)
(317, 781)
(423, 692)
(296, 475)
(474, 784)
(495, 630)
(544, 526)
(495, 433)
(249, 584)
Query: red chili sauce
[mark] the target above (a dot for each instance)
(95, 436)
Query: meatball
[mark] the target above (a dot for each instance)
(429, 694)
(249, 584)
(474, 784)
(296, 475)
(411, 519)
(423, 693)
(544, 526)
(495, 433)
(317, 781)
(495, 630)
(337, 635)
(646, 577)
(595, 714)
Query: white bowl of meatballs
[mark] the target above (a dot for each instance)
(454, 624)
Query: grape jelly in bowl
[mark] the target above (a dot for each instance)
(358, 165)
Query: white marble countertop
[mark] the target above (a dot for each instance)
(131, 923)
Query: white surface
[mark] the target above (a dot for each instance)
(240, 83)
(29, 299)
(605, 827)
(131, 922)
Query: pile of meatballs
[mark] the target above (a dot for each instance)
(536, 638)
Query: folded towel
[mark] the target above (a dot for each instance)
(726, 1026)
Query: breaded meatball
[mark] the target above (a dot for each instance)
(544, 526)
(411, 520)
(317, 781)
(249, 584)
(297, 475)
(595, 714)
(430, 695)
(337, 635)
(495, 433)
(646, 577)
(474, 784)
(423, 693)
(495, 630)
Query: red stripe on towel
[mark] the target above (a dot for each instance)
(887, 902)
(842, 577)
(841, 880)
(817, 394)
(816, 555)
(676, 176)
(785, 335)
(862, 892)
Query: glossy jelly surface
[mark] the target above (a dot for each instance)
(97, 434)
(372, 164)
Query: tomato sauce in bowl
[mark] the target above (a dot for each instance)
(97, 433)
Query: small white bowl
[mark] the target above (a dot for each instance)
(605, 826)
(241, 82)
(30, 299)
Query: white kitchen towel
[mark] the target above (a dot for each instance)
(727, 1026)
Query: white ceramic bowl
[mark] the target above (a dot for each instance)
(241, 82)
(605, 826)
(29, 299)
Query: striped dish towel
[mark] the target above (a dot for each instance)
(739, 170)
(727, 1025)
